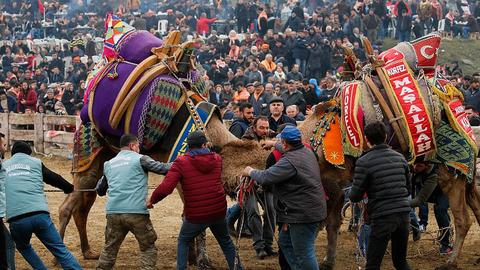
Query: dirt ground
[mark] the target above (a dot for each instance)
(166, 219)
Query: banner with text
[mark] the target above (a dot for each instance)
(410, 99)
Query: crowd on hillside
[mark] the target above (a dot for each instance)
(288, 47)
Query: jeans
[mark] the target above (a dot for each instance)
(443, 219)
(423, 214)
(414, 222)
(42, 226)
(262, 234)
(298, 245)
(219, 229)
(405, 36)
(426, 26)
(392, 227)
(233, 213)
(7, 248)
(363, 237)
(302, 63)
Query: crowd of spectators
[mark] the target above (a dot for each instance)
(252, 50)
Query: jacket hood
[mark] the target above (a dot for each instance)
(317, 89)
(203, 160)
(314, 82)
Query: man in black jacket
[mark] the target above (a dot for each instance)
(240, 125)
(277, 117)
(382, 174)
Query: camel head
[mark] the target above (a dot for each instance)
(236, 154)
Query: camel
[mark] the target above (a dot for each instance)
(120, 76)
(238, 154)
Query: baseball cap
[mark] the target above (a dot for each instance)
(290, 133)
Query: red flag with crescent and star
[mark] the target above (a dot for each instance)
(426, 50)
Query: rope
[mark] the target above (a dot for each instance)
(237, 243)
(82, 190)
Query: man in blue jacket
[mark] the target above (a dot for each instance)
(126, 179)
(27, 209)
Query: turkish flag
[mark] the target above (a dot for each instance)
(41, 7)
(391, 55)
(426, 50)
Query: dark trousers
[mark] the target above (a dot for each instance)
(392, 227)
(262, 233)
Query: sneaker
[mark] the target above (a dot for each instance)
(417, 235)
(445, 250)
(261, 254)
(422, 228)
(271, 252)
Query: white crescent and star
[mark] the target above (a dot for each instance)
(423, 52)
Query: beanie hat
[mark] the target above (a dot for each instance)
(21, 147)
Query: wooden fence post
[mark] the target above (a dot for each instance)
(4, 127)
(38, 143)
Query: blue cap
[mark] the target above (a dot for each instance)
(290, 133)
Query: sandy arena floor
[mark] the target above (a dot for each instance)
(166, 219)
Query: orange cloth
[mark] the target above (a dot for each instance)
(269, 66)
(241, 96)
(332, 144)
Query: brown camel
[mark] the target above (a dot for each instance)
(236, 155)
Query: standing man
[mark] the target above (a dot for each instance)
(472, 94)
(301, 207)
(294, 97)
(27, 208)
(277, 117)
(126, 179)
(382, 174)
(259, 100)
(7, 249)
(199, 173)
(240, 125)
(262, 233)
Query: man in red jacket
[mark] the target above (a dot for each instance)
(203, 24)
(199, 172)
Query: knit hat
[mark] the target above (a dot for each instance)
(21, 147)
(196, 138)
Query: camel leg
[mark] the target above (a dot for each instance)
(80, 216)
(455, 190)
(473, 200)
(78, 205)
(334, 221)
(203, 262)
